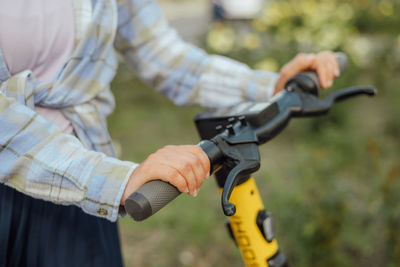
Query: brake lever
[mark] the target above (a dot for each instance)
(236, 152)
(343, 94)
(247, 163)
(312, 105)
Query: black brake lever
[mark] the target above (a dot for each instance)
(311, 105)
(242, 170)
(343, 94)
(243, 159)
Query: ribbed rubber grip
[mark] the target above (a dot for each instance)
(149, 199)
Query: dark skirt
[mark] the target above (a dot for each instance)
(39, 233)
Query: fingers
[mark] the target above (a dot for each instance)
(185, 167)
(327, 67)
(156, 167)
(324, 63)
(194, 162)
(300, 63)
(153, 168)
(202, 156)
(188, 167)
(174, 177)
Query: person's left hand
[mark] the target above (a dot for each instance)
(324, 63)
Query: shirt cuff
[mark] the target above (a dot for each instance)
(106, 186)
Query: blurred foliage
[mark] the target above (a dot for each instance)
(333, 183)
(367, 30)
(346, 167)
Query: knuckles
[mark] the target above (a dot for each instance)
(173, 173)
(186, 168)
(179, 171)
(192, 161)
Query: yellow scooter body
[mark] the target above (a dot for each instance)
(255, 249)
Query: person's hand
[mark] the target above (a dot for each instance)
(324, 63)
(185, 167)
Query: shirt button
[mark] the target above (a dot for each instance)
(102, 212)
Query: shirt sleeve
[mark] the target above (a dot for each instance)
(37, 159)
(182, 72)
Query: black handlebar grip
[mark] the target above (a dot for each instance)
(149, 199)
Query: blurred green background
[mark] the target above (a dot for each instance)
(333, 182)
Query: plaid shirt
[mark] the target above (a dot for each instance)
(39, 160)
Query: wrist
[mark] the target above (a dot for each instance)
(133, 183)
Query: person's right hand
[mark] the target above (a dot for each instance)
(185, 167)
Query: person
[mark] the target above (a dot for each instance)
(61, 187)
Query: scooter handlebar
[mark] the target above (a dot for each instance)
(154, 195)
